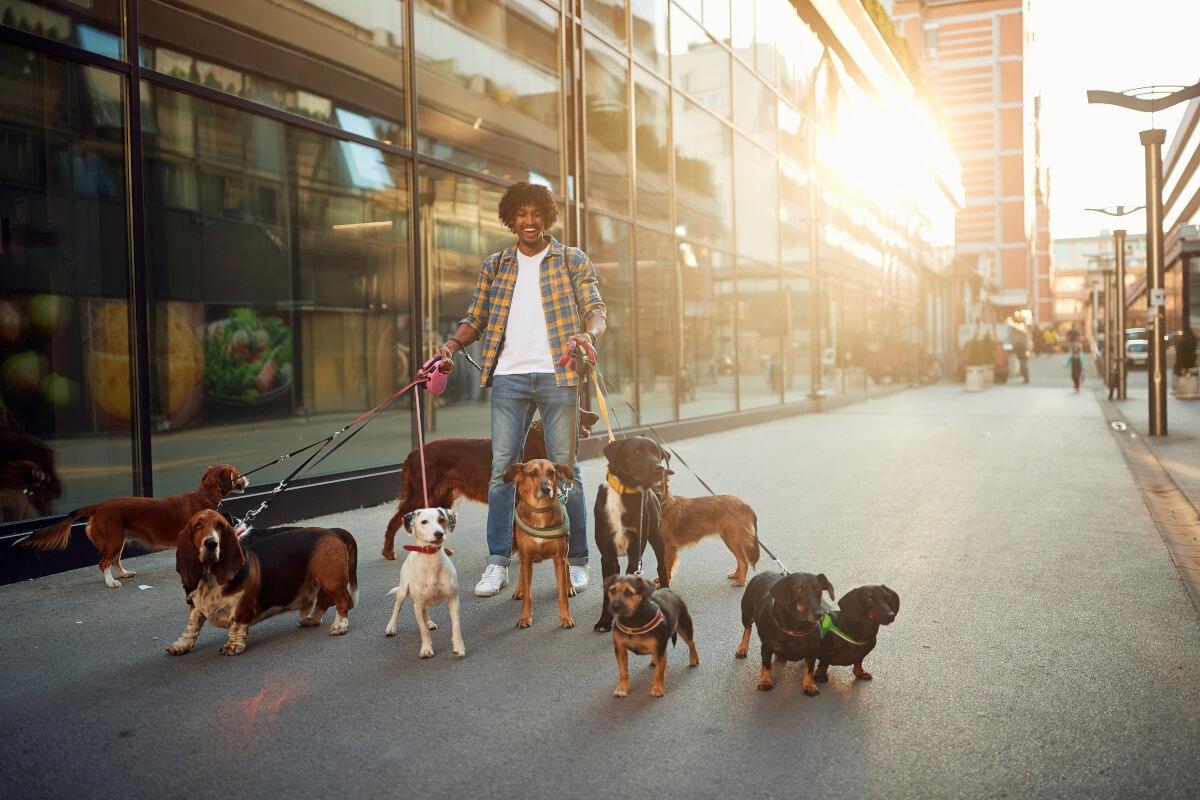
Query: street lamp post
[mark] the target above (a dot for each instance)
(1151, 99)
(1119, 316)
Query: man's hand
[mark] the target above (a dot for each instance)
(447, 351)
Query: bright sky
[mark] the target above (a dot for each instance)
(1093, 152)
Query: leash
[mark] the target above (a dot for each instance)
(662, 443)
(424, 375)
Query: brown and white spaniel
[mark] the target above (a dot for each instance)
(154, 521)
(233, 583)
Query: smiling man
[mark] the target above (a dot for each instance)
(531, 301)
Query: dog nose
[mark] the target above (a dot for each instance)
(438, 534)
(545, 488)
(210, 544)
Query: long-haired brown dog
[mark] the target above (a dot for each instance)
(540, 532)
(457, 468)
(153, 521)
(231, 586)
(687, 520)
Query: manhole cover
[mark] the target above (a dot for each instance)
(1117, 425)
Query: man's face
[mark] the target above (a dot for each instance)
(530, 227)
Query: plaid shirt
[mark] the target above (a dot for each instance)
(570, 296)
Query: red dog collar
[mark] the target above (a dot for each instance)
(428, 549)
(649, 626)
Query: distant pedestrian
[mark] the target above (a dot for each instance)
(1020, 345)
(1075, 362)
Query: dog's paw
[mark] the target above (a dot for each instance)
(229, 649)
(658, 691)
(571, 592)
(602, 627)
(765, 686)
(389, 631)
(694, 661)
(339, 627)
(460, 651)
(566, 623)
(426, 652)
(112, 583)
(517, 594)
(863, 675)
(179, 648)
(310, 622)
(812, 691)
(390, 555)
(621, 691)
(432, 625)
(127, 573)
(524, 622)
(738, 584)
(740, 653)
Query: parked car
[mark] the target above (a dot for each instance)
(1137, 351)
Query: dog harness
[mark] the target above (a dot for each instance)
(618, 487)
(427, 549)
(553, 532)
(829, 626)
(649, 626)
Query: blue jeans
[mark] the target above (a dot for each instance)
(514, 399)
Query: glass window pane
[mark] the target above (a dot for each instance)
(278, 274)
(606, 76)
(488, 83)
(93, 25)
(652, 116)
(65, 398)
(743, 31)
(345, 66)
(607, 17)
(649, 33)
(716, 19)
(797, 360)
(753, 106)
(608, 246)
(699, 66)
(658, 329)
(766, 14)
(757, 202)
(703, 196)
(760, 315)
(709, 352)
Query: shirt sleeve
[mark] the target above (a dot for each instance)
(478, 308)
(586, 286)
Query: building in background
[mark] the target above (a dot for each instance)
(1078, 264)
(229, 246)
(976, 57)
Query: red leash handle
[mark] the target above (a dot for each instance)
(589, 353)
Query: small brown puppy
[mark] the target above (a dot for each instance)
(643, 621)
(687, 520)
(540, 532)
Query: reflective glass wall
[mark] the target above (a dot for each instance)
(231, 244)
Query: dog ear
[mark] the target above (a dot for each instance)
(408, 520)
(563, 473)
(893, 599)
(232, 557)
(781, 592)
(610, 580)
(663, 453)
(647, 587)
(513, 472)
(187, 563)
(821, 579)
(588, 418)
(612, 449)
(451, 518)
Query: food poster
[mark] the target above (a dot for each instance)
(248, 363)
(40, 364)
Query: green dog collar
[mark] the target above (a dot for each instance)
(829, 626)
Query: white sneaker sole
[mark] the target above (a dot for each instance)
(485, 593)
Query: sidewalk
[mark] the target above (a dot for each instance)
(1179, 450)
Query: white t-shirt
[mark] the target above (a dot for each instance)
(526, 342)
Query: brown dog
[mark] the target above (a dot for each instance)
(153, 521)
(457, 468)
(687, 520)
(644, 620)
(231, 586)
(540, 532)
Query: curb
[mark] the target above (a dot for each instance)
(1176, 519)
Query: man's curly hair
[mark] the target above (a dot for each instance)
(527, 194)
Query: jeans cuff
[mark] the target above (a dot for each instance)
(501, 560)
(577, 562)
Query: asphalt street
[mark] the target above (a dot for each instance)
(1044, 648)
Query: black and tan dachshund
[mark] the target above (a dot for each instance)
(787, 611)
(855, 625)
(645, 620)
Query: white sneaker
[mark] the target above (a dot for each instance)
(579, 578)
(495, 578)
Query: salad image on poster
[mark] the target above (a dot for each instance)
(248, 358)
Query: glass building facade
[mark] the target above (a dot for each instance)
(227, 227)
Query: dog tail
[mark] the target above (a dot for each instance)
(751, 548)
(352, 558)
(394, 590)
(57, 536)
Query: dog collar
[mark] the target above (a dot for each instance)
(790, 632)
(428, 549)
(829, 626)
(619, 487)
(553, 532)
(649, 626)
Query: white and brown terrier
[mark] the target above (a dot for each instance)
(428, 576)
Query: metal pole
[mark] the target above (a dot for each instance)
(1106, 326)
(1120, 316)
(1153, 140)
